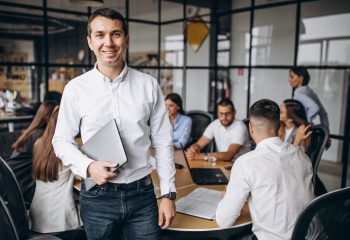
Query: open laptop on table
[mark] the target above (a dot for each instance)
(206, 176)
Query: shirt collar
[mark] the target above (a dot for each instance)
(268, 141)
(120, 77)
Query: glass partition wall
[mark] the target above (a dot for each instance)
(204, 50)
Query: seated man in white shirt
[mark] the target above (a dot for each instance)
(275, 179)
(231, 136)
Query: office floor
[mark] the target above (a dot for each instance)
(330, 174)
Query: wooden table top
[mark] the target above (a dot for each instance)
(184, 186)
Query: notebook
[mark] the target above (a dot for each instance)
(201, 203)
(206, 176)
(105, 145)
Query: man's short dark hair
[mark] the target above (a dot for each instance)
(110, 14)
(301, 72)
(266, 110)
(227, 102)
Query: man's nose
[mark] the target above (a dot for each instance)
(108, 40)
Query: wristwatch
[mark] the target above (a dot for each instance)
(171, 195)
(205, 157)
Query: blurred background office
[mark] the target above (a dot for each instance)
(203, 50)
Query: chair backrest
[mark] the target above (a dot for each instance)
(200, 120)
(326, 217)
(7, 139)
(319, 139)
(7, 230)
(12, 196)
(21, 165)
(252, 143)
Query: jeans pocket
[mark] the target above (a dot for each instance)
(93, 192)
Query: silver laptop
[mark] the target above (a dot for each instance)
(106, 145)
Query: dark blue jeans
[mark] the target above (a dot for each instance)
(119, 214)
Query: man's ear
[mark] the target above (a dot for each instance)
(127, 39)
(251, 128)
(88, 38)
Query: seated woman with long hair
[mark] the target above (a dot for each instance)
(294, 126)
(182, 124)
(53, 208)
(26, 140)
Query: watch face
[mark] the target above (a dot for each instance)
(172, 195)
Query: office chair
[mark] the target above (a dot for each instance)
(21, 166)
(326, 217)
(7, 139)
(200, 120)
(319, 139)
(11, 194)
(8, 229)
(252, 143)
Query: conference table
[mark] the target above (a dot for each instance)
(189, 227)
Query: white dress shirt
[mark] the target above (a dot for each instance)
(135, 100)
(236, 133)
(275, 178)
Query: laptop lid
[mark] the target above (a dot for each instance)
(106, 145)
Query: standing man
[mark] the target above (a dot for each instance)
(230, 135)
(275, 179)
(122, 204)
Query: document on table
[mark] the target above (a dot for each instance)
(201, 203)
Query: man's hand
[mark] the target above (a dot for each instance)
(167, 211)
(99, 171)
(191, 151)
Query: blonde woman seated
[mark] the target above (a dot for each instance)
(26, 140)
(53, 208)
(294, 126)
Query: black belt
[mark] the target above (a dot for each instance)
(143, 182)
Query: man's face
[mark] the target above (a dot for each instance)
(108, 41)
(226, 115)
(294, 80)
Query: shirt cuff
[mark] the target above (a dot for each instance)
(166, 188)
(85, 164)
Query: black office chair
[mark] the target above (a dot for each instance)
(21, 166)
(11, 194)
(319, 139)
(326, 217)
(8, 229)
(252, 143)
(7, 139)
(200, 120)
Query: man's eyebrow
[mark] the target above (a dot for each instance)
(117, 31)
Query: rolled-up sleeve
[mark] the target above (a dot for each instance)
(67, 128)
(238, 189)
(161, 137)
